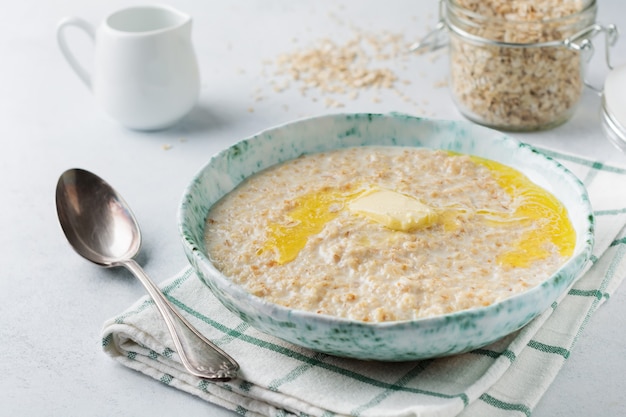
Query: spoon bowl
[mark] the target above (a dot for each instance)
(95, 219)
(101, 228)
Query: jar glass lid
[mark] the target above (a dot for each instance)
(614, 107)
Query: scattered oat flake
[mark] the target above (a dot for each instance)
(365, 61)
(333, 103)
(166, 147)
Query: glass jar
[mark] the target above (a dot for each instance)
(614, 107)
(518, 65)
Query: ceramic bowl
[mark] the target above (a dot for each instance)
(389, 341)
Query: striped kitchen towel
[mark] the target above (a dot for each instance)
(506, 378)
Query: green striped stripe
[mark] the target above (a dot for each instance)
(147, 303)
(177, 282)
(295, 373)
(617, 242)
(503, 405)
(542, 347)
(245, 386)
(215, 324)
(486, 352)
(229, 337)
(401, 382)
(166, 379)
(226, 387)
(203, 385)
(608, 277)
(582, 161)
(494, 354)
(167, 352)
(107, 340)
(612, 212)
(593, 173)
(588, 293)
(611, 271)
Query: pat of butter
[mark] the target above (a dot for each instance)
(393, 210)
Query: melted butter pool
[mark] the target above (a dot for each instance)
(534, 205)
(308, 217)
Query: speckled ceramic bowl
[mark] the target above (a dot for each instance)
(390, 341)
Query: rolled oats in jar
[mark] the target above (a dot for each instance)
(512, 63)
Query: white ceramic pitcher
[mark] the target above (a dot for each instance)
(145, 72)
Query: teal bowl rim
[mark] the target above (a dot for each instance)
(569, 271)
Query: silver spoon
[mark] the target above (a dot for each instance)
(101, 228)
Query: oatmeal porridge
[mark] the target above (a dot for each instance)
(388, 233)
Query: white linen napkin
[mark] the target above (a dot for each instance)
(506, 378)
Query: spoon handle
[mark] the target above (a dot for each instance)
(199, 356)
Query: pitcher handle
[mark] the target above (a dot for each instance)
(71, 59)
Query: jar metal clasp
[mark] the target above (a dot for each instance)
(582, 43)
(434, 40)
